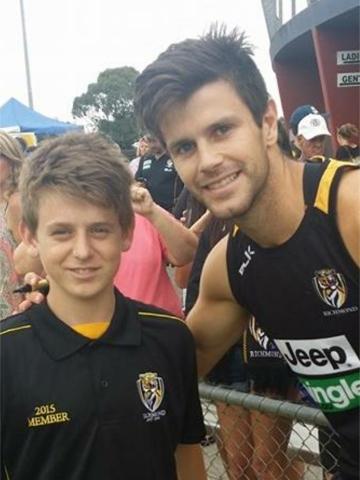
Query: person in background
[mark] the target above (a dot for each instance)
(94, 385)
(348, 140)
(142, 148)
(158, 239)
(157, 173)
(312, 132)
(325, 146)
(11, 158)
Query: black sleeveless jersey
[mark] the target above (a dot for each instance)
(305, 295)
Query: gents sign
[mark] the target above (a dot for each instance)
(348, 57)
(348, 79)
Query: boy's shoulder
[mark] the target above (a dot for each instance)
(14, 324)
(155, 317)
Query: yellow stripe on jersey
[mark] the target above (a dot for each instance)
(323, 192)
(91, 330)
(7, 473)
(15, 329)
(235, 230)
(161, 315)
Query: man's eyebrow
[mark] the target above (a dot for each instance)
(221, 121)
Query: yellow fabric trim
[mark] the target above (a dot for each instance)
(235, 230)
(162, 315)
(7, 473)
(15, 329)
(91, 330)
(323, 192)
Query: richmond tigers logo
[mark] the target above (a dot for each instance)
(331, 287)
(151, 390)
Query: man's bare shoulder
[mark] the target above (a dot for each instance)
(347, 212)
(214, 277)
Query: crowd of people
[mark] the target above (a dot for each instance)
(259, 226)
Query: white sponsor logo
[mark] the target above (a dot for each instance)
(319, 357)
(248, 255)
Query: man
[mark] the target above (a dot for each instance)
(94, 385)
(156, 171)
(310, 132)
(292, 260)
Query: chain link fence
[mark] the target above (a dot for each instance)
(251, 437)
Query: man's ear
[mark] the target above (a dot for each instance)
(29, 239)
(270, 126)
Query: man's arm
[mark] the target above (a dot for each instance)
(348, 208)
(180, 242)
(25, 260)
(190, 462)
(217, 321)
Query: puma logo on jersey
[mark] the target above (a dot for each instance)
(248, 255)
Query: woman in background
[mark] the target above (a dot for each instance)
(11, 157)
(348, 139)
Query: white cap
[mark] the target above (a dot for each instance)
(313, 125)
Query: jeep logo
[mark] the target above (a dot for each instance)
(334, 355)
(322, 356)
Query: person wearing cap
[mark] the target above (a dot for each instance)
(311, 136)
(298, 114)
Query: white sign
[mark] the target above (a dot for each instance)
(348, 79)
(348, 57)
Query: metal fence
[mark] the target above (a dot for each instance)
(251, 437)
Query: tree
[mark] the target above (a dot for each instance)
(109, 105)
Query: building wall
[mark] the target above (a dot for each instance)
(341, 102)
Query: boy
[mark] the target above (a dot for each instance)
(94, 385)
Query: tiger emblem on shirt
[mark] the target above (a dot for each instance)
(331, 287)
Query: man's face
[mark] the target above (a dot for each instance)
(155, 147)
(218, 150)
(80, 246)
(313, 147)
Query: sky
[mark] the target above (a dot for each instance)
(72, 41)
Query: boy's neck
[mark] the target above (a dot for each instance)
(73, 311)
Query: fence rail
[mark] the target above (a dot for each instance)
(254, 437)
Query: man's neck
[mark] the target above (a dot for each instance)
(278, 211)
(73, 311)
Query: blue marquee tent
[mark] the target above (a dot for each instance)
(15, 114)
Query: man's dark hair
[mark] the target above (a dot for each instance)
(186, 66)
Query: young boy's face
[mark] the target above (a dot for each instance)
(79, 244)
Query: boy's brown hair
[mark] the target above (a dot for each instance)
(86, 166)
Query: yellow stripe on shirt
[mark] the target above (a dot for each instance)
(15, 329)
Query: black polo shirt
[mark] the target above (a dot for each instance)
(73, 408)
(160, 178)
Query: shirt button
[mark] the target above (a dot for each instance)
(104, 383)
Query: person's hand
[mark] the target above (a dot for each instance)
(32, 297)
(142, 201)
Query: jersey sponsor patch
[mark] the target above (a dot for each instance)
(146, 164)
(330, 287)
(334, 394)
(151, 391)
(322, 356)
